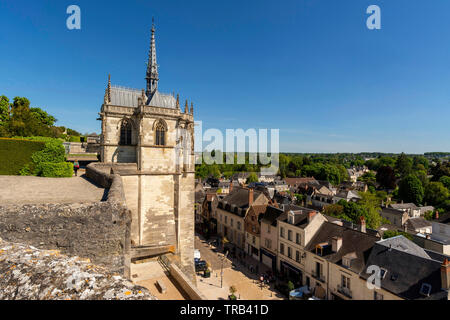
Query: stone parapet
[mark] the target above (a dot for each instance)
(28, 273)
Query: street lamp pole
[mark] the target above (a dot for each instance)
(221, 270)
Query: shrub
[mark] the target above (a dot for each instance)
(16, 153)
(75, 139)
(56, 170)
(290, 286)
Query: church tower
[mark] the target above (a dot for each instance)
(148, 140)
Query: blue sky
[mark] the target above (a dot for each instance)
(310, 68)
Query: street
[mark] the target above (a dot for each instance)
(247, 284)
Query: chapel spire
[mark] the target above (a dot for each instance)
(152, 66)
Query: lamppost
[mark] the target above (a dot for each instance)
(221, 269)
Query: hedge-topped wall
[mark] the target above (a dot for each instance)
(15, 154)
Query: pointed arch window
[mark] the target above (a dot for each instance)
(160, 134)
(125, 132)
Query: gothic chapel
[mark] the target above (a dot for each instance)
(148, 140)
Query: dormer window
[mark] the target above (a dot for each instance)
(425, 289)
(291, 218)
(346, 262)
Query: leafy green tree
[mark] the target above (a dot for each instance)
(386, 177)
(420, 163)
(445, 180)
(4, 109)
(411, 189)
(428, 215)
(253, 177)
(371, 205)
(423, 177)
(403, 165)
(439, 170)
(436, 193)
(334, 210)
(43, 117)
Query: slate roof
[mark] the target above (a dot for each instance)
(397, 212)
(270, 215)
(405, 272)
(237, 201)
(301, 214)
(258, 210)
(293, 181)
(162, 100)
(444, 218)
(417, 223)
(353, 241)
(125, 97)
(403, 244)
(402, 206)
(128, 97)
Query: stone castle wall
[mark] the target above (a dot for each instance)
(99, 231)
(28, 273)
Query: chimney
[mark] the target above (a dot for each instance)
(231, 186)
(250, 197)
(362, 224)
(445, 274)
(436, 216)
(311, 215)
(336, 244)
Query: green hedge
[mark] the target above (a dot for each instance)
(16, 153)
(75, 139)
(59, 169)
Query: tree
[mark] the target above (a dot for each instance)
(436, 193)
(43, 117)
(445, 180)
(4, 109)
(439, 170)
(368, 177)
(403, 165)
(334, 210)
(371, 204)
(233, 291)
(253, 177)
(420, 163)
(411, 190)
(386, 177)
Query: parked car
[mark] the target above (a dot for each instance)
(200, 265)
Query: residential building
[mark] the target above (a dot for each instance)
(295, 229)
(334, 259)
(411, 208)
(418, 225)
(269, 236)
(407, 271)
(395, 216)
(253, 230)
(231, 212)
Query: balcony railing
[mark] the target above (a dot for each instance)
(344, 290)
